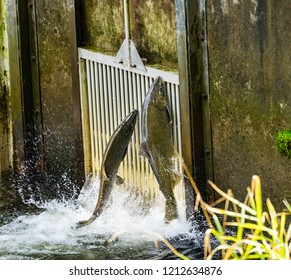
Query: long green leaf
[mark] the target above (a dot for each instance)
(254, 227)
(240, 227)
(251, 198)
(282, 226)
(274, 220)
(287, 204)
(233, 200)
(230, 213)
(256, 183)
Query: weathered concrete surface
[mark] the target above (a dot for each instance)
(250, 82)
(153, 25)
(5, 120)
(55, 74)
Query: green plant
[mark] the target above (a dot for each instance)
(255, 234)
(283, 142)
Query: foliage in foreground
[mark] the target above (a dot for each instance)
(283, 143)
(256, 234)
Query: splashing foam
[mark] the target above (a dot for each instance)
(55, 226)
(129, 212)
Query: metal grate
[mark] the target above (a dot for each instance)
(110, 91)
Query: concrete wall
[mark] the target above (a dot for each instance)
(250, 82)
(5, 117)
(42, 100)
(153, 25)
(56, 87)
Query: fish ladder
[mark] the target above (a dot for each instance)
(109, 92)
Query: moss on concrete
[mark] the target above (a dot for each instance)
(249, 62)
(153, 28)
(55, 75)
(283, 143)
(102, 24)
(5, 121)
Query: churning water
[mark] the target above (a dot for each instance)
(52, 232)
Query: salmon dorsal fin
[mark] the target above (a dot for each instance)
(143, 151)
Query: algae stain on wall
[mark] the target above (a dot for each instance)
(152, 26)
(102, 24)
(155, 31)
(5, 116)
(250, 86)
(56, 87)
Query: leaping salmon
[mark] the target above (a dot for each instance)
(114, 154)
(156, 144)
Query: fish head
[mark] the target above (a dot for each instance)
(158, 94)
(130, 120)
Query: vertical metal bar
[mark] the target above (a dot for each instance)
(132, 156)
(122, 103)
(174, 113)
(98, 116)
(127, 29)
(110, 93)
(94, 115)
(136, 141)
(114, 97)
(106, 107)
(126, 91)
(179, 139)
(118, 89)
(138, 129)
(88, 70)
(102, 115)
(179, 144)
(85, 116)
(110, 100)
(126, 111)
(97, 113)
(123, 112)
(92, 105)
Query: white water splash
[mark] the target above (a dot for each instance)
(54, 231)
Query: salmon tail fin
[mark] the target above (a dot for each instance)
(86, 222)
